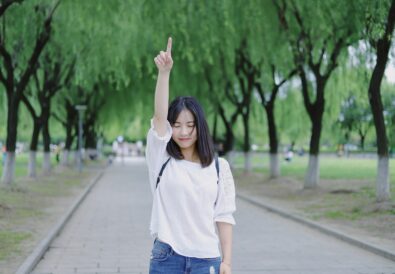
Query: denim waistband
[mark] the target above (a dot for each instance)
(163, 245)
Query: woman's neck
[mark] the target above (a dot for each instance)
(190, 154)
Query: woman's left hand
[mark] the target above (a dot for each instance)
(224, 269)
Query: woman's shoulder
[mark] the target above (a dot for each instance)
(223, 164)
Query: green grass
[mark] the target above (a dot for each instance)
(359, 172)
(22, 162)
(10, 242)
(330, 167)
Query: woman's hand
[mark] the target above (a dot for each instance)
(224, 268)
(163, 60)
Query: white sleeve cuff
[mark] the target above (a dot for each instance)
(225, 219)
(168, 134)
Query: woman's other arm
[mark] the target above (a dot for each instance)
(225, 231)
(164, 63)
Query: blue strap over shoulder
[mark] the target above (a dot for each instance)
(167, 161)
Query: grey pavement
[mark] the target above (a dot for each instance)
(109, 234)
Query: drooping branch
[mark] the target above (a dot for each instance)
(2, 78)
(54, 115)
(7, 61)
(41, 41)
(305, 88)
(339, 44)
(29, 106)
(5, 4)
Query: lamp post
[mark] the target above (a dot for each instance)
(80, 109)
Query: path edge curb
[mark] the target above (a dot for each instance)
(32, 260)
(328, 231)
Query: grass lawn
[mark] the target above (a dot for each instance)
(357, 174)
(22, 162)
(330, 167)
(345, 196)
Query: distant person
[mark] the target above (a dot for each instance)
(190, 199)
(57, 153)
(289, 154)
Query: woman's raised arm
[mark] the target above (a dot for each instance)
(164, 63)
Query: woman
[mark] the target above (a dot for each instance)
(192, 192)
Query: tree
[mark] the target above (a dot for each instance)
(268, 105)
(316, 49)
(381, 44)
(355, 116)
(69, 123)
(55, 74)
(5, 4)
(15, 79)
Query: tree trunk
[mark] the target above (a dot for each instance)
(65, 157)
(229, 141)
(229, 136)
(313, 172)
(248, 162)
(47, 148)
(33, 149)
(69, 139)
(90, 137)
(273, 141)
(9, 168)
(315, 113)
(76, 157)
(247, 146)
(67, 147)
(362, 142)
(230, 157)
(382, 47)
(32, 164)
(12, 122)
(274, 165)
(383, 183)
(47, 162)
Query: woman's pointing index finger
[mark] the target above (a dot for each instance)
(169, 42)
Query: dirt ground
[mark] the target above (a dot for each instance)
(351, 209)
(38, 226)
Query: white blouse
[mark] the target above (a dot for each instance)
(188, 201)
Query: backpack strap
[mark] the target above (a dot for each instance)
(161, 171)
(164, 165)
(217, 167)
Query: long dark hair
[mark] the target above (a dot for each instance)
(204, 142)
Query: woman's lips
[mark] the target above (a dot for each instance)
(184, 139)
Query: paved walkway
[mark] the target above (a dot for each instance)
(109, 234)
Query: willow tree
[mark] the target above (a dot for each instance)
(20, 51)
(381, 42)
(105, 39)
(318, 33)
(270, 53)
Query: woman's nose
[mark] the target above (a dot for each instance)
(184, 131)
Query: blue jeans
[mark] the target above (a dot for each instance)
(164, 260)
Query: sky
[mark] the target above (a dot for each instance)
(390, 72)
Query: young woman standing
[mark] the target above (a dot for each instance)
(193, 191)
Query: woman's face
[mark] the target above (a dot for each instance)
(184, 130)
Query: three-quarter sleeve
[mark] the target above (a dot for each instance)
(226, 204)
(155, 152)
